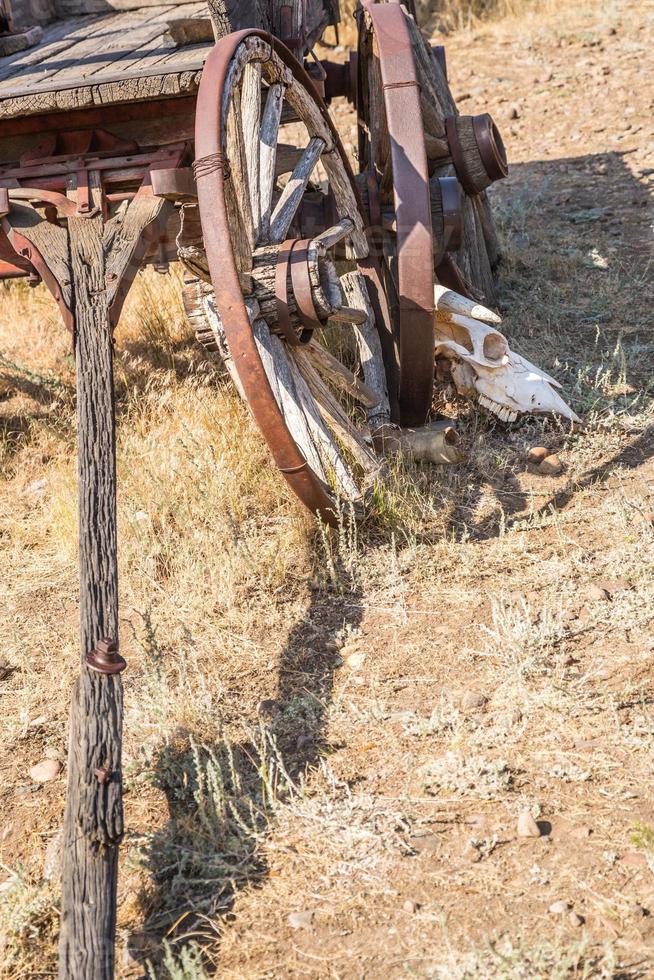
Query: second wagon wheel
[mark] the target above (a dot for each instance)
(277, 303)
(393, 156)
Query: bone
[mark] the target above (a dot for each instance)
(437, 442)
(447, 301)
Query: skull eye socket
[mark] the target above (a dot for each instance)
(461, 337)
(494, 347)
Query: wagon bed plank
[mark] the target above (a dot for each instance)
(99, 60)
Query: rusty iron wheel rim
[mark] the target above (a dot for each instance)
(415, 268)
(314, 492)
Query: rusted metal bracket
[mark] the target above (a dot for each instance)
(174, 184)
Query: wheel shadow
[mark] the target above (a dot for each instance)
(222, 796)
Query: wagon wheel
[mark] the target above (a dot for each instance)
(409, 121)
(278, 303)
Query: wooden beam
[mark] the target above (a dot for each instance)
(93, 823)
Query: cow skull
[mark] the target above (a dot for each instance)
(483, 365)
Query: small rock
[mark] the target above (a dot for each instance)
(598, 593)
(410, 906)
(53, 753)
(44, 771)
(37, 722)
(37, 487)
(425, 843)
(472, 701)
(537, 454)
(471, 853)
(301, 920)
(551, 466)
(269, 708)
(559, 908)
(582, 832)
(52, 858)
(527, 826)
(640, 910)
(649, 517)
(355, 660)
(575, 919)
(513, 112)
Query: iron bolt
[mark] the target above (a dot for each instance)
(105, 659)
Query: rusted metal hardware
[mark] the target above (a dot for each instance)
(293, 264)
(103, 774)
(105, 659)
(341, 78)
(477, 167)
(412, 209)
(175, 184)
(452, 202)
(301, 283)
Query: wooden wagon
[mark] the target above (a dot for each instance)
(136, 133)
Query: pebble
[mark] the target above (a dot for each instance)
(575, 919)
(551, 466)
(472, 701)
(537, 454)
(355, 660)
(527, 826)
(425, 843)
(52, 858)
(301, 920)
(54, 753)
(410, 906)
(44, 771)
(640, 910)
(513, 112)
(559, 908)
(598, 593)
(649, 517)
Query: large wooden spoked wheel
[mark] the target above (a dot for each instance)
(276, 296)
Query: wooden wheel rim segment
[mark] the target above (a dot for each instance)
(210, 176)
(415, 267)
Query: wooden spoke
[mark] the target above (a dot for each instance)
(239, 182)
(268, 135)
(369, 345)
(251, 112)
(289, 202)
(332, 236)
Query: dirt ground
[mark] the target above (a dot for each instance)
(330, 739)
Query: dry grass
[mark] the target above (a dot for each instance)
(346, 724)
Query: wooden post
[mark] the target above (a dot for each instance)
(93, 825)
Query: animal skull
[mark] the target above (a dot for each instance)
(483, 365)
